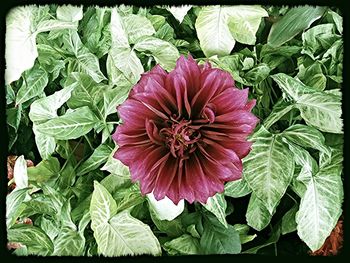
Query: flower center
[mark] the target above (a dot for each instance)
(180, 137)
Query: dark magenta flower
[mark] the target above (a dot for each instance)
(184, 133)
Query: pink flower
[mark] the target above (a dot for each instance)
(184, 133)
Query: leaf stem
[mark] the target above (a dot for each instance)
(291, 197)
(88, 141)
(274, 244)
(70, 155)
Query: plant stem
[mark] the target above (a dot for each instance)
(70, 155)
(291, 197)
(89, 143)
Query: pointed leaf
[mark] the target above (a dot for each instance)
(128, 64)
(15, 205)
(258, 216)
(269, 167)
(237, 188)
(37, 242)
(321, 205)
(244, 22)
(124, 235)
(183, 245)
(306, 136)
(179, 12)
(103, 207)
(213, 32)
(35, 81)
(216, 239)
(46, 108)
(322, 111)
(165, 53)
(288, 220)
(137, 26)
(292, 23)
(69, 13)
(72, 125)
(98, 157)
(118, 32)
(217, 205)
(69, 243)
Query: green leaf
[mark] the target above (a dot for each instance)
(37, 242)
(237, 188)
(98, 157)
(218, 27)
(337, 19)
(137, 26)
(308, 167)
(42, 110)
(321, 205)
(244, 22)
(118, 32)
(306, 136)
(72, 125)
(179, 12)
(216, 239)
(10, 94)
(322, 111)
(49, 226)
(292, 23)
(114, 166)
(243, 233)
(217, 205)
(20, 174)
(14, 205)
(45, 170)
(118, 234)
(123, 66)
(313, 76)
(13, 116)
(315, 38)
(46, 108)
(124, 235)
(83, 61)
(213, 32)
(275, 56)
(20, 40)
(292, 87)
(128, 197)
(258, 216)
(102, 208)
(173, 228)
(319, 109)
(35, 81)
(86, 92)
(288, 220)
(69, 13)
(183, 245)
(96, 33)
(268, 169)
(165, 209)
(69, 243)
(46, 144)
(165, 53)
(112, 98)
(65, 218)
(280, 109)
